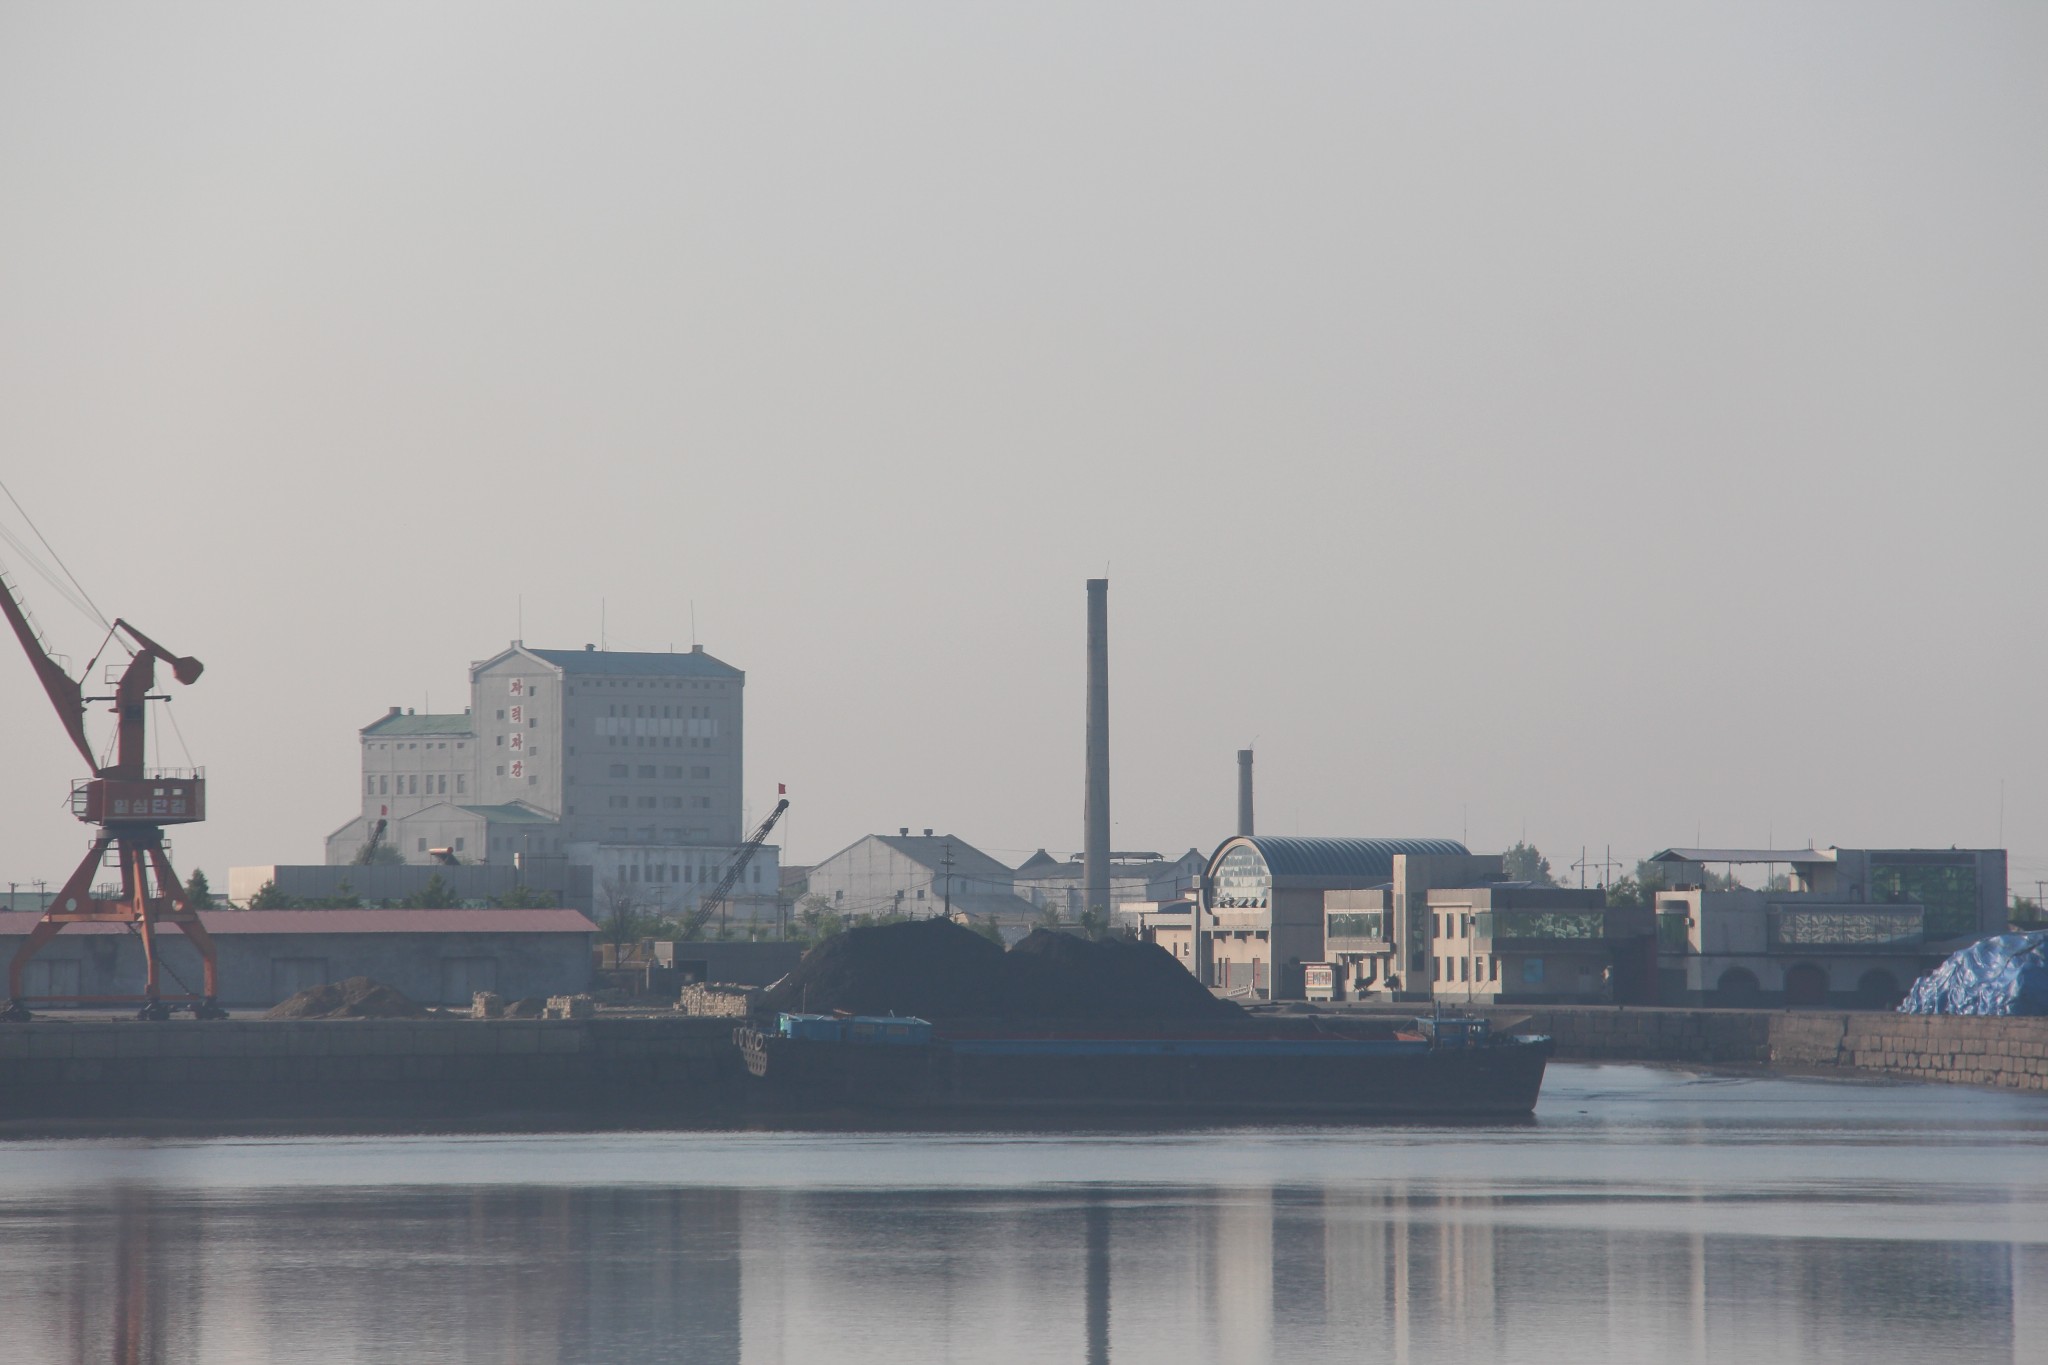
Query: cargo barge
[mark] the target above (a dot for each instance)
(1435, 1067)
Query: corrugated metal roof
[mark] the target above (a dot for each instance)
(1801, 856)
(410, 724)
(630, 664)
(350, 922)
(1371, 859)
(968, 861)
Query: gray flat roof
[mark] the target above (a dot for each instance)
(1744, 855)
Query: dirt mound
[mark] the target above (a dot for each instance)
(359, 997)
(1060, 976)
(938, 970)
(932, 968)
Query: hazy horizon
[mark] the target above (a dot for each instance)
(1597, 424)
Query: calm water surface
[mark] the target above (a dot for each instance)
(1645, 1215)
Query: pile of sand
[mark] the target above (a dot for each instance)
(359, 997)
(935, 969)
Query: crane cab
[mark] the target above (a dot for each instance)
(167, 799)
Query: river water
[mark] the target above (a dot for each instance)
(1645, 1214)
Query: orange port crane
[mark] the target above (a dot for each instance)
(131, 804)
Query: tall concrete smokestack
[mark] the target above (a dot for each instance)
(1095, 810)
(1244, 792)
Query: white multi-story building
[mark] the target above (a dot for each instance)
(628, 762)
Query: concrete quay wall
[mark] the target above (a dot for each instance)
(2012, 1053)
(365, 1068)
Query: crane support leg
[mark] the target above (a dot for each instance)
(144, 867)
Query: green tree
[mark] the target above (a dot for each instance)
(2026, 913)
(1049, 918)
(198, 892)
(435, 895)
(268, 897)
(1094, 924)
(1523, 863)
(990, 930)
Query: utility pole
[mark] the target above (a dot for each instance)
(948, 862)
(1581, 867)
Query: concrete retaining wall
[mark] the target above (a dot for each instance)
(2012, 1053)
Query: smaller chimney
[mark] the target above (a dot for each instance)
(1244, 792)
(396, 711)
(904, 831)
(927, 833)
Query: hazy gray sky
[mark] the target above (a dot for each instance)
(1621, 423)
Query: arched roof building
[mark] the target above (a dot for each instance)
(1261, 917)
(1249, 861)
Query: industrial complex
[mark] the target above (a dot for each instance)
(583, 785)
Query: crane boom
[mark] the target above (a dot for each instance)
(713, 904)
(65, 694)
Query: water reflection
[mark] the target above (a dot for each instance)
(579, 1273)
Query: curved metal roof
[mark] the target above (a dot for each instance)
(1362, 858)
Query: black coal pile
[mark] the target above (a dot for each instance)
(359, 997)
(931, 968)
(936, 969)
(1060, 976)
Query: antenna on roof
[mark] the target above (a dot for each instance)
(693, 624)
(601, 642)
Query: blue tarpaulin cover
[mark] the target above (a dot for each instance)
(2003, 975)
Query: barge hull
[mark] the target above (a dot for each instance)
(1498, 1081)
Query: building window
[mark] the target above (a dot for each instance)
(1436, 969)
(501, 713)
(501, 770)
(369, 785)
(700, 772)
(443, 785)
(423, 845)
(501, 741)
(460, 782)
(458, 843)
(646, 770)
(414, 784)
(383, 786)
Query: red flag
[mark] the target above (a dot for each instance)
(781, 789)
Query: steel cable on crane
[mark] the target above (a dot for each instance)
(43, 571)
(84, 596)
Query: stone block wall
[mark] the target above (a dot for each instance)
(2012, 1053)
